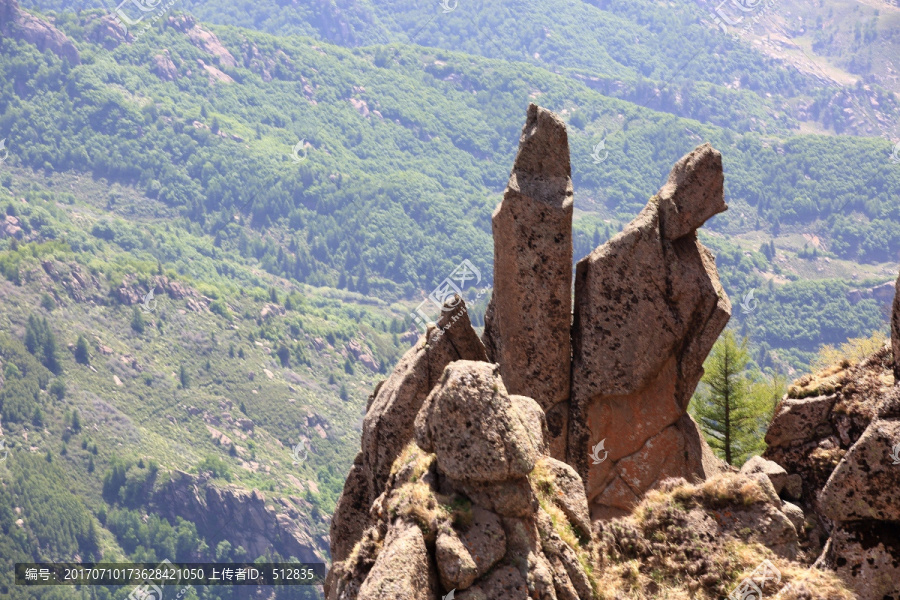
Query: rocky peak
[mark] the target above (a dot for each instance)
(450, 428)
(693, 193)
(648, 308)
(528, 319)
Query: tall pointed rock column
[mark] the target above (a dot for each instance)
(528, 322)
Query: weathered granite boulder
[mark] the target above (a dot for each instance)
(470, 422)
(775, 472)
(866, 556)
(648, 308)
(403, 570)
(528, 320)
(836, 431)
(861, 498)
(388, 424)
(476, 489)
(866, 483)
(464, 556)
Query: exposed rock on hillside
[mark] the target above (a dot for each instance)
(836, 430)
(648, 308)
(480, 503)
(238, 515)
(391, 412)
(527, 322)
(861, 498)
(690, 541)
(203, 39)
(23, 26)
(458, 487)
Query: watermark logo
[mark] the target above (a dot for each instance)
(450, 596)
(146, 591)
(4, 153)
(444, 294)
(4, 450)
(723, 20)
(749, 303)
(595, 452)
(148, 304)
(895, 155)
(895, 456)
(299, 153)
(596, 153)
(300, 451)
(142, 6)
(751, 588)
(151, 591)
(449, 6)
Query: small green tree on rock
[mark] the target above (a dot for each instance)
(733, 406)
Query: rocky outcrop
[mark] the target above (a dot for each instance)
(528, 319)
(163, 67)
(107, 30)
(474, 506)
(883, 294)
(240, 516)
(861, 498)
(648, 308)
(203, 39)
(20, 25)
(390, 415)
(836, 431)
(701, 541)
(481, 503)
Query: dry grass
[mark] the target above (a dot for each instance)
(657, 552)
(412, 463)
(852, 352)
(544, 485)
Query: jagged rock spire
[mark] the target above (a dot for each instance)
(528, 320)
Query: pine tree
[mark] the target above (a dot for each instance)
(362, 284)
(82, 353)
(40, 341)
(184, 377)
(733, 406)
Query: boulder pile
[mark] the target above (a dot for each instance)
(837, 434)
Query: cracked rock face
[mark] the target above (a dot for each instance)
(862, 499)
(648, 308)
(837, 439)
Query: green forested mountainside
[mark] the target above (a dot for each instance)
(667, 56)
(413, 179)
(103, 392)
